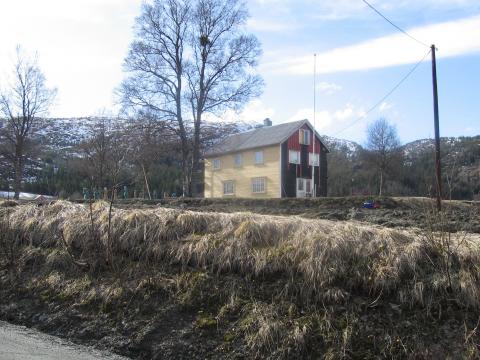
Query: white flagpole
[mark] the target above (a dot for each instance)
(314, 116)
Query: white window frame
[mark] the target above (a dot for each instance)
(290, 157)
(225, 183)
(304, 136)
(257, 162)
(312, 158)
(216, 164)
(259, 188)
(238, 160)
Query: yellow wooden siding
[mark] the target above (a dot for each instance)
(242, 176)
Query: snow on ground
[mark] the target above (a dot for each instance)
(24, 196)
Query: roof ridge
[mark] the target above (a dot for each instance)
(261, 136)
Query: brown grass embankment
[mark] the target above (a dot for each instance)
(322, 259)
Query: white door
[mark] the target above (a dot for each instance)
(300, 188)
(308, 187)
(304, 187)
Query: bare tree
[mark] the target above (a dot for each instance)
(384, 147)
(96, 151)
(104, 152)
(219, 74)
(21, 104)
(215, 131)
(156, 66)
(452, 174)
(151, 141)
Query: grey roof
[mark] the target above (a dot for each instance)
(264, 136)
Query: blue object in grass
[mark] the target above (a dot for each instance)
(371, 204)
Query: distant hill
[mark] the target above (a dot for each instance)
(460, 157)
(335, 144)
(348, 172)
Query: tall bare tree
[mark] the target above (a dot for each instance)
(219, 75)
(156, 66)
(26, 98)
(104, 153)
(384, 148)
(95, 150)
(151, 142)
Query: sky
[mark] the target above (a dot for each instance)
(359, 59)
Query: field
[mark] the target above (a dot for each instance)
(241, 279)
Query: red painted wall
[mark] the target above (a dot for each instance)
(294, 142)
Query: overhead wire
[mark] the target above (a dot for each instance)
(393, 24)
(386, 96)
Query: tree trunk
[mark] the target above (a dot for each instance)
(196, 169)
(146, 182)
(381, 183)
(183, 131)
(197, 175)
(185, 177)
(18, 167)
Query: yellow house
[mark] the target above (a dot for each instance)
(268, 162)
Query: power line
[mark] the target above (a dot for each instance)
(386, 96)
(395, 26)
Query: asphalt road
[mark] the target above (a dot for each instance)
(20, 343)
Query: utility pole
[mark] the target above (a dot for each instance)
(438, 170)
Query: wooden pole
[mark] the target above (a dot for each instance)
(438, 168)
(146, 182)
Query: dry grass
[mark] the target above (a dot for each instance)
(325, 261)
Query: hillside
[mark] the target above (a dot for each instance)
(349, 173)
(336, 144)
(64, 133)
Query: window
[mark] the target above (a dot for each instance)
(259, 157)
(294, 157)
(258, 185)
(313, 159)
(238, 160)
(229, 187)
(216, 164)
(304, 137)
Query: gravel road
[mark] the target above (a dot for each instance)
(20, 343)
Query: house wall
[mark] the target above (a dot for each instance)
(243, 175)
(323, 174)
(290, 172)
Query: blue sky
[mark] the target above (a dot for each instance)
(360, 57)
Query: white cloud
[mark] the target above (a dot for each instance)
(344, 9)
(328, 88)
(323, 118)
(345, 113)
(81, 46)
(449, 37)
(330, 122)
(384, 106)
(255, 111)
